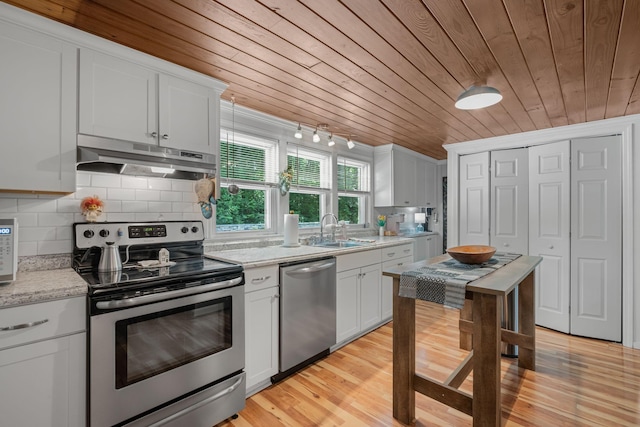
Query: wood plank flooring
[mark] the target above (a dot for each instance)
(577, 382)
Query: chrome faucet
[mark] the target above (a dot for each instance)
(333, 233)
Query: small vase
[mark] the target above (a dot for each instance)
(381, 231)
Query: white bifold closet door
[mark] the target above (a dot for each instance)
(474, 199)
(549, 215)
(575, 225)
(596, 238)
(510, 201)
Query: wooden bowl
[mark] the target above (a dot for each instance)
(472, 254)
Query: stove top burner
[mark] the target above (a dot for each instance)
(142, 242)
(134, 274)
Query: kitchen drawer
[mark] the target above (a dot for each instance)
(357, 260)
(399, 251)
(61, 317)
(260, 278)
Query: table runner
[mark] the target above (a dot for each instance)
(445, 282)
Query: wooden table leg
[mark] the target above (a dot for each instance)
(526, 321)
(487, 405)
(404, 355)
(466, 313)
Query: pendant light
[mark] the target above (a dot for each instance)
(232, 188)
(298, 133)
(478, 97)
(316, 137)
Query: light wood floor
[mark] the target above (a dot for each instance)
(577, 382)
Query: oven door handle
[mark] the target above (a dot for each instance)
(206, 401)
(145, 299)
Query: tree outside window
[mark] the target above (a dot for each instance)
(250, 163)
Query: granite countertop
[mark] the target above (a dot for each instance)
(260, 257)
(41, 286)
(57, 283)
(418, 234)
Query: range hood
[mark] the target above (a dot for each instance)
(96, 154)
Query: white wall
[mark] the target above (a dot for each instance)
(45, 221)
(629, 129)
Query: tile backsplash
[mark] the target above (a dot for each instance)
(45, 221)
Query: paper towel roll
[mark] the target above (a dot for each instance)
(291, 230)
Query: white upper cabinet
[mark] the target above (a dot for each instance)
(403, 179)
(187, 115)
(427, 183)
(118, 99)
(37, 111)
(123, 100)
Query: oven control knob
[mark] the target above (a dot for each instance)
(194, 229)
(88, 234)
(184, 229)
(104, 233)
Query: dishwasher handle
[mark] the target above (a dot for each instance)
(310, 269)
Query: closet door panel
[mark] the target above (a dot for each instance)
(596, 239)
(474, 199)
(510, 200)
(549, 227)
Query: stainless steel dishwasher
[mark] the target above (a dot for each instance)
(307, 313)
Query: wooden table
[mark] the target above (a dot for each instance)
(480, 332)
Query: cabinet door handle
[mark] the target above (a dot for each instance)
(551, 247)
(506, 245)
(24, 325)
(165, 136)
(260, 279)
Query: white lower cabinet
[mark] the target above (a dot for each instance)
(358, 294)
(387, 286)
(426, 247)
(262, 311)
(43, 366)
(358, 301)
(391, 257)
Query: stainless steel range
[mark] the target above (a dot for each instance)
(166, 336)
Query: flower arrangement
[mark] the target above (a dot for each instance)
(285, 180)
(382, 220)
(91, 208)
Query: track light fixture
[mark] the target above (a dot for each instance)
(325, 128)
(478, 97)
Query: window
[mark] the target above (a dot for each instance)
(310, 184)
(250, 163)
(353, 190)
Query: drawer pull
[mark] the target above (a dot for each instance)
(260, 279)
(407, 250)
(391, 254)
(24, 325)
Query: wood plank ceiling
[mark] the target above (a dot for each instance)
(389, 71)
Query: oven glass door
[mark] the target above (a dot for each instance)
(154, 343)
